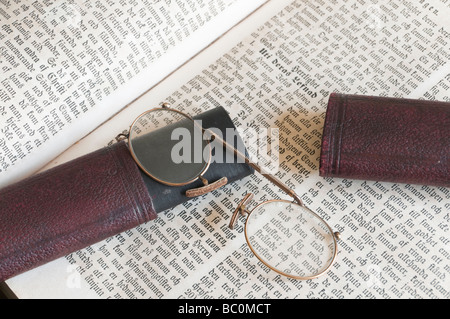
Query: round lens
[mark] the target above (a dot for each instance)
(169, 146)
(290, 239)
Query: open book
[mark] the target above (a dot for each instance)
(81, 71)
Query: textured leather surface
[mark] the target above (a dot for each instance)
(386, 139)
(70, 207)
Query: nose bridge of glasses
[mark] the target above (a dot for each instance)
(209, 187)
(240, 209)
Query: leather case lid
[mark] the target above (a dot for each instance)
(386, 139)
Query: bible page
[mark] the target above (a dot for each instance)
(395, 237)
(68, 66)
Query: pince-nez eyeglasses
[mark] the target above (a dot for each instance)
(285, 235)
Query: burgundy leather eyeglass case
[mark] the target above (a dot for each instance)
(89, 199)
(386, 139)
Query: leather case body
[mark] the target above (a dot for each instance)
(70, 207)
(386, 139)
(84, 201)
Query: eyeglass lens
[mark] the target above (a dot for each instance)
(163, 143)
(290, 239)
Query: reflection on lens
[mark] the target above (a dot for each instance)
(169, 146)
(290, 239)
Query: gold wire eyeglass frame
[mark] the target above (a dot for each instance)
(242, 207)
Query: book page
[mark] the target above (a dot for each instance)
(68, 66)
(395, 237)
